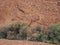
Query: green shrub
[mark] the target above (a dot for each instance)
(3, 32)
(54, 33)
(23, 32)
(38, 35)
(14, 31)
(18, 31)
(34, 34)
(43, 37)
(22, 36)
(11, 35)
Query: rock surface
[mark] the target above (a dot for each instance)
(43, 12)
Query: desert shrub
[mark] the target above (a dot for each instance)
(23, 32)
(43, 37)
(3, 32)
(54, 33)
(11, 35)
(12, 27)
(18, 31)
(14, 31)
(22, 36)
(38, 35)
(34, 33)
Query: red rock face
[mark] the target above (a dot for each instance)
(43, 12)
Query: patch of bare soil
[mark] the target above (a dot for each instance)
(20, 42)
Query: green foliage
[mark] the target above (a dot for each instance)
(23, 32)
(54, 33)
(34, 34)
(38, 35)
(14, 31)
(3, 32)
(42, 37)
(11, 35)
(18, 31)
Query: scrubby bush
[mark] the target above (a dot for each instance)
(3, 32)
(11, 35)
(12, 31)
(38, 35)
(34, 34)
(42, 37)
(12, 27)
(18, 31)
(54, 33)
(22, 32)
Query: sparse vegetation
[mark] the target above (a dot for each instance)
(18, 31)
(54, 33)
(38, 35)
(14, 31)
